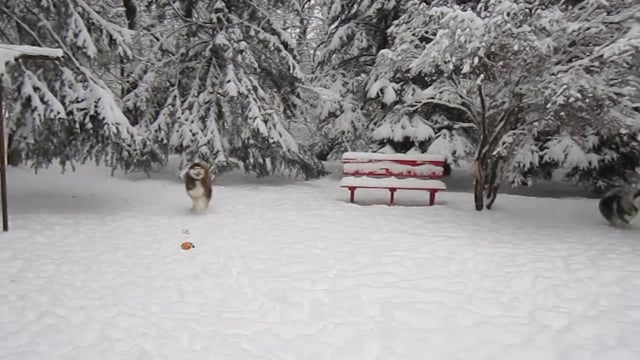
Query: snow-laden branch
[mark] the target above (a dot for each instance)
(10, 53)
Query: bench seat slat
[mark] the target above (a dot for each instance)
(392, 182)
(364, 156)
(383, 172)
(389, 168)
(373, 162)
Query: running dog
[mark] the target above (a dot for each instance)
(197, 182)
(620, 206)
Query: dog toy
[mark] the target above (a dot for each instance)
(187, 245)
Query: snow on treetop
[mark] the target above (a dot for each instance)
(9, 53)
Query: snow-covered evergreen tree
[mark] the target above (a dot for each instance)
(618, 155)
(300, 19)
(218, 85)
(401, 125)
(511, 70)
(596, 73)
(67, 110)
(359, 34)
(355, 33)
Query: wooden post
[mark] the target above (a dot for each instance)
(3, 163)
(21, 52)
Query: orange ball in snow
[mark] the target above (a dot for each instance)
(187, 245)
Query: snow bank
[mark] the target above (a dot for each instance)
(93, 269)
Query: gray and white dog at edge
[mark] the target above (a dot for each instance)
(620, 206)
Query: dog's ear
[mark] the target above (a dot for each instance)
(183, 173)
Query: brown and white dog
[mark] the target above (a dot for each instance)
(197, 181)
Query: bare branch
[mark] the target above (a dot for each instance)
(440, 102)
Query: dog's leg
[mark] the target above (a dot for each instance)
(200, 205)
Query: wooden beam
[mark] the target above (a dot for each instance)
(3, 163)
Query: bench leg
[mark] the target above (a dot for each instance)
(432, 197)
(392, 193)
(352, 194)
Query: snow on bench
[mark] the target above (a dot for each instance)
(393, 172)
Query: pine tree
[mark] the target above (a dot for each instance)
(513, 71)
(618, 157)
(359, 34)
(218, 85)
(68, 111)
(597, 73)
(356, 30)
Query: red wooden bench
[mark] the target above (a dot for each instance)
(393, 172)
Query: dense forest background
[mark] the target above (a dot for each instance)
(519, 88)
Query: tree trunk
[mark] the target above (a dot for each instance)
(14, 154)
(187, 8)
(131, 12)
(495, 175)
(478, 190)
(482, 155)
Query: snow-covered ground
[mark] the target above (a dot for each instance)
(92, 269)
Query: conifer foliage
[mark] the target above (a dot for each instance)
(355, 32)
(67, 111)
(520, 88)
(536, 84)
(217, 86)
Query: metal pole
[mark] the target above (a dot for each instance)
(3, 164)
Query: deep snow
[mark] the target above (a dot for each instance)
(92, 269)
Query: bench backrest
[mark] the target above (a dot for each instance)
(423, 166)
